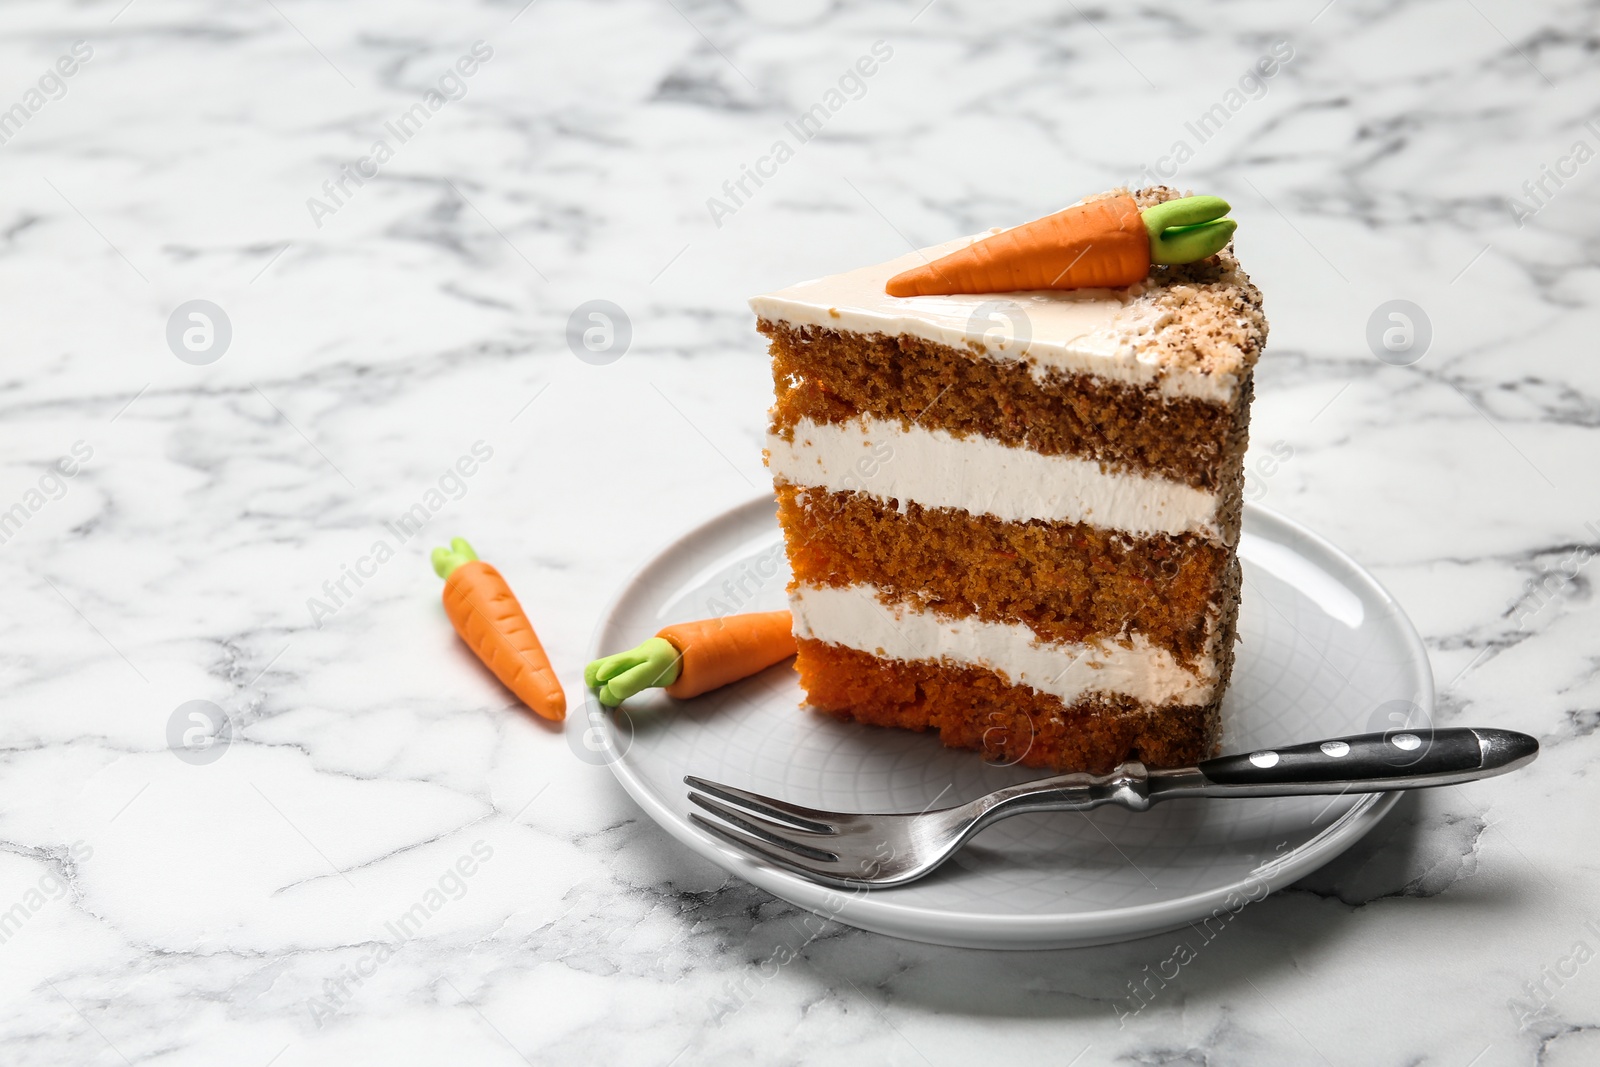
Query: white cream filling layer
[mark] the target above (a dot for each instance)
(1084, 331)
(856, 617)
(977, 474)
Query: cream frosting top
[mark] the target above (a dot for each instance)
(1136, 335)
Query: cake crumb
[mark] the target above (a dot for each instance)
(1202, 318)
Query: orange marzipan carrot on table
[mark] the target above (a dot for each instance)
(690, 658)
(491, 621)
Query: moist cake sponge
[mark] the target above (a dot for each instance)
(1013, 518)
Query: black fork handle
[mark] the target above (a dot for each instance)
(1396, 759)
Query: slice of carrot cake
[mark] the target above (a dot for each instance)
(1011, 501)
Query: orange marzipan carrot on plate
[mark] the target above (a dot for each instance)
(690, 658)
(718, 651)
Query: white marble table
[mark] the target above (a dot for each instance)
(158, 910)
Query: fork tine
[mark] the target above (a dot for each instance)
(781, 811)
(771, 832)
(753, 846)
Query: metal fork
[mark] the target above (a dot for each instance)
(877, 851)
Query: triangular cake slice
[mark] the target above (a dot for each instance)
(1013, 517)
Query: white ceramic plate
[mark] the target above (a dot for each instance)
(1325, 651)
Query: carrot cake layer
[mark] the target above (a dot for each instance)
(975, 708)
(1067, 582)
(830, 376)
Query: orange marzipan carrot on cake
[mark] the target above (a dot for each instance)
(1100, 244)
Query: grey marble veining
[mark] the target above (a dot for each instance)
(245, 911)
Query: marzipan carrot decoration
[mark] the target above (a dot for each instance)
(690, 658)
(1102, 244)
(486, 614)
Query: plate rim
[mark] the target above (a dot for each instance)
(876, 911)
